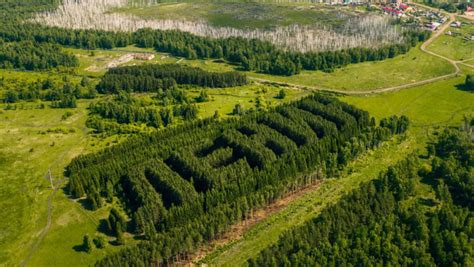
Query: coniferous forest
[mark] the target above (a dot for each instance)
(187, 184)
(154, 77)
(380, 224)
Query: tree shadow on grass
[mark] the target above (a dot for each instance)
(79, 248)
(463, 87)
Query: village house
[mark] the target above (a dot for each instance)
(456, 24)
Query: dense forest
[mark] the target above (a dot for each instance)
(152, 77)
(187, 184)
(62, 91)
(28, 55)
(386, 222)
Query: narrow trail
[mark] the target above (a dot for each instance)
(45, 230)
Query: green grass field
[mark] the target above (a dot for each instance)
(27, 153)
(95, 63)
(412, 67)
(437, 104)
(224, 100)
(244, 14)
(456, 46)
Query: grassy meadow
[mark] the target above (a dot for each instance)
(412, 67)
(437, 104)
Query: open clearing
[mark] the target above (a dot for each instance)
(437, 104)
(412, 67)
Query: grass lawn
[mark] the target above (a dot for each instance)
(412, 67)
(456, 46)
(299, 211)
(245, 14)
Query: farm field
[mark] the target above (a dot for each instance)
(456, 46)
(244, 14)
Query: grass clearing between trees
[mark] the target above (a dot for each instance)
(412, 67)
(26, 156)
(437, 104)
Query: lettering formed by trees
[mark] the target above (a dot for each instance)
(185, 185)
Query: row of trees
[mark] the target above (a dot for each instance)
(376, 226)
(224, 171)
(153, 77)
(28, 55)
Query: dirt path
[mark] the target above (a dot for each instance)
(45, 230)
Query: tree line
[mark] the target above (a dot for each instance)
(28, 55)
(379, 225)
(63, 93)
(152, 77)
(187, 184)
